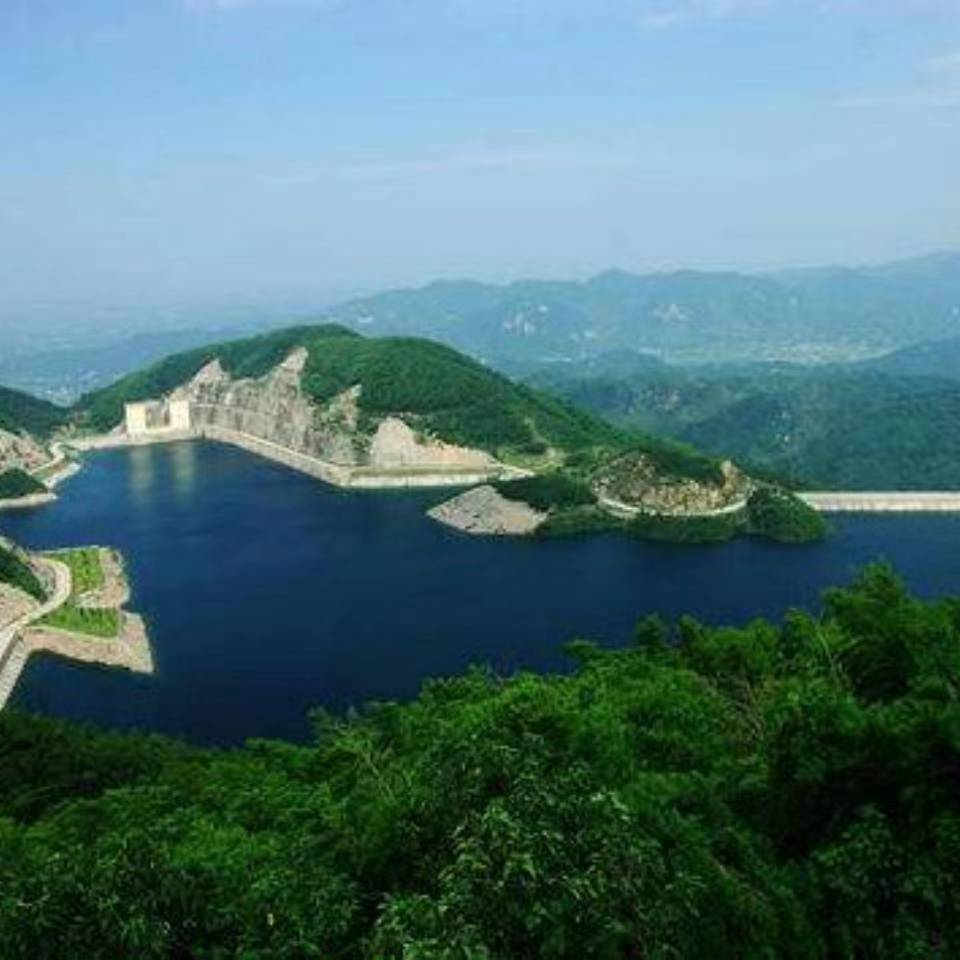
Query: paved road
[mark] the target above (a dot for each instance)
(621, 509)
(10, 663)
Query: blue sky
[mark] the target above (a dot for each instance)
(299, 150)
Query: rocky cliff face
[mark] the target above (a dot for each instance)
(20, 451)
(634, 479)
(396, 446)
(275, 408)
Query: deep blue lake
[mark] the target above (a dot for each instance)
(268, 593)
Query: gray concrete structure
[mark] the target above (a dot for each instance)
(884, 502)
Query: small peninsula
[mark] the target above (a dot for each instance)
(70, 603)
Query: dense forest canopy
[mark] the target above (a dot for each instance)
(842, 428)
(20, 412)
(774, 790)
(16, 572)
(18, 483)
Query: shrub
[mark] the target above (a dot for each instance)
(18, 483)
(547, 491)
(780, 515)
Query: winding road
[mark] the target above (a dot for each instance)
(621, 509)
(10, 663)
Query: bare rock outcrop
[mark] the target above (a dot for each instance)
(395, 445)
(635, 480)
(19, 451)
(483, 510)
(276, 409)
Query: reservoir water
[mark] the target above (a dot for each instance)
(268, 593)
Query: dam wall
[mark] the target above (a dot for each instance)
(312, 466)
(340, 475)
(273, 417)
(890, 502)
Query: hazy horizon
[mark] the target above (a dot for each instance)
(289, 154)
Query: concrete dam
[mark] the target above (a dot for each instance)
(272, 418)
(884, 502)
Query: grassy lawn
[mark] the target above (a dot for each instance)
(87, 572)
(94, 623)
(85, 568)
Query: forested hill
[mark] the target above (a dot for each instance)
(440, 390)
(833, 427)
(22, 413)
(811, 315)
(779, 790)
(940, 358)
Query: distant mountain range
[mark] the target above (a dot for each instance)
(64, 373)
(870, 397)
(804, 316)
(808, 316)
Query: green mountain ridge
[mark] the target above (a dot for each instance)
(22, 413)
(824, 314)
(816, 315)
(436, 388)
(843, 428)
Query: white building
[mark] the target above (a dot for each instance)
(157, 416)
